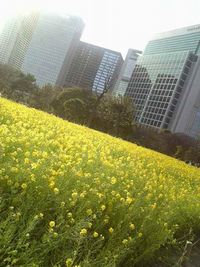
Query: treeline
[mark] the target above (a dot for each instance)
(113, 115)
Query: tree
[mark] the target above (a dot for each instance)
(16, 85)
(73, 104)
(115, 116)
(43, 97)
(93, 109)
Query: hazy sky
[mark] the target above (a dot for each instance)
(117, 24)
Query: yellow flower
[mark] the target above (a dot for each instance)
(89, 224)
(103, 207)
(111, 230)
(82, 195)
(113, 180)
(69, 262)
(132, 226)
(106, 221)
(27, 154)
(52, 224)
(89, 211)
(83, 232)
(125, 241)
(140, 235)
(95, 234)
(74, 195)
(52, 183)
(129, 200)
(69, 214)
(55, 234)
(24, 186)
(56, 190)
(26, 160)
(62, 204)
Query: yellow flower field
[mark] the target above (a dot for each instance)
(71, 196)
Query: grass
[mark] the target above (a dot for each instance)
(71, 196)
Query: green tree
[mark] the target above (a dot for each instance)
(73, 104)
(115, 116)
(16, 85)
(43, 97)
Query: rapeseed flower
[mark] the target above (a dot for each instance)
(52, 224)
(83, 232)
(24, 186)
(111, 230)
(95, 234)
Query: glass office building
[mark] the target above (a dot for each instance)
(184, 39)
(158, 82)
(52, 47)
(108, 71)
(15, 39)
(126, 72)
(161, 75)
(42, 44)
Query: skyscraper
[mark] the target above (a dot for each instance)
(126, 72)
(52, 47)
(92, 66)
(160, 79)
(42, 44)
(15, 39)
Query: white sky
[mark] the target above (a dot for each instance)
(117, 24)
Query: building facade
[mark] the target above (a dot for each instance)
(187, 117)
(126, 72)
(52, 47)
(15, 39)
(160, 81)
(92, 66)
(42, 44)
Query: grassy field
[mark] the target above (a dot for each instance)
(71, 196)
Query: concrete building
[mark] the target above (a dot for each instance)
(91, 66)
(164, 81)
(126, 72)
(42, 44)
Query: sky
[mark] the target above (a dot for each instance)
(116, 24)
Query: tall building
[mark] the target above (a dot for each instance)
(42, 44)
(15, 39)
(92, 66)
(52, 47)
(187, 117)
(126, 72)
(160, 81)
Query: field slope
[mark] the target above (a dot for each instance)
(71, 196)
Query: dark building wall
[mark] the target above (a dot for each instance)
(66, 67)
(84, 66)
(88, 67)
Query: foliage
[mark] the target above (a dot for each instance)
(15, 85)
(112, 115)
(71, 196)
(73, 104)
(43, 97)
(115, 116)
